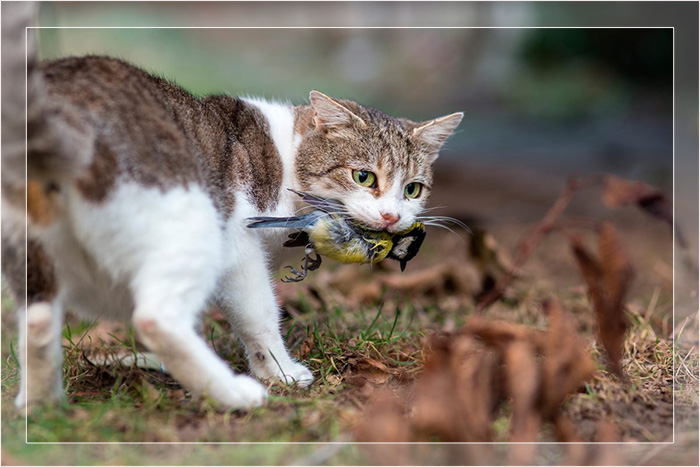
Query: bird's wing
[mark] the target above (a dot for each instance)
(300, 238)
(294, 222)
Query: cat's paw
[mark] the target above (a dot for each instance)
(54, 396)
(289, 372)
(244, 393)
(297, 374)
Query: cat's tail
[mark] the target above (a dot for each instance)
(58, 142)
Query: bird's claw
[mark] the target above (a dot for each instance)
(309, 264)
(298, 275)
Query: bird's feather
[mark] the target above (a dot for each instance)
(294, 222)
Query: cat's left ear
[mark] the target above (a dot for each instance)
(332, 115)
(431, 135)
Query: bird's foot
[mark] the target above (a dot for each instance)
(309, 264)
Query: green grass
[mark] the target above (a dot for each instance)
(115, 404)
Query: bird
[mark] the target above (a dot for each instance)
(325, 231)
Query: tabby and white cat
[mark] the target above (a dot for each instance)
(137, 197)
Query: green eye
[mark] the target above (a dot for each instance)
(364, 178)
(413, 190)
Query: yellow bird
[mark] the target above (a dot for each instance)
(327, 233)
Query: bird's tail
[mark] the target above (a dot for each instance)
(58, 141)
(294, 222)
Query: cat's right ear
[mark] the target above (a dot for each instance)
(331, 115)
(431, 135)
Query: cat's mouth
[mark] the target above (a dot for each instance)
(337, 207)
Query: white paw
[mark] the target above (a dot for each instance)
(20, 400)
(297, 374)
(287, 372)
(244, 393)
(47, 396)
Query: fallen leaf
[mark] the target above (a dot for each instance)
(618, 192)
(608, 280)
(522, 380)
(306, 347)
(566, 363)
(463, 373)
(617, 275)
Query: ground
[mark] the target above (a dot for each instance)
(366, 334)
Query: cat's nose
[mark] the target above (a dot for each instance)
(390, 219)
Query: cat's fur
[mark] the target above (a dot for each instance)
(137, 197)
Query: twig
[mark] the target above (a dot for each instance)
(532, 240)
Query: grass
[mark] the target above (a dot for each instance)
(352, 349)
(132, 405)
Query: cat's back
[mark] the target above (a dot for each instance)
(95, 82)
(137, 120)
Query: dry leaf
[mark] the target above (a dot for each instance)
(522, 381)
(618, 192)
(607, 280)
(617, 275)
(306, 347)
(566, 362)
(462, 372)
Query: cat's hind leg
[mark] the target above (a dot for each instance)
(40, 353)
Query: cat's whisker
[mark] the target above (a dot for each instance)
(445, 219)
(433, 208)
(445, 228)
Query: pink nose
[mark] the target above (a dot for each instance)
(390, 218)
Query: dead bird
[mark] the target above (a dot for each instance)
(326, 232)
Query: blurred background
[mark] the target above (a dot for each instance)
(546, 99)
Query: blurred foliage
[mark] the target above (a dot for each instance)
(569, 74)
(532, 97)
(640, 56)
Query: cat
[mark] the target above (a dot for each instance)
(137, 196)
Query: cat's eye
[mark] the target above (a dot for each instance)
(412, 190)
(364, 178)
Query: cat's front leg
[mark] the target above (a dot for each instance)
(247, 297)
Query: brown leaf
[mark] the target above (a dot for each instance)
(566, 363)
(306, 347)
(496, 333)
(616, 274)
(387, 424)
(523, 385)
(618, 192)
(591, 270)
(607, 280)
(565, 431)
(375, 364)
(606, 454)
(462, 372)
(368, 370)
(530, 241)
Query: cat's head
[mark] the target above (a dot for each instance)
(378, 166)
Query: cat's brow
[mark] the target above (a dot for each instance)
(328, 170)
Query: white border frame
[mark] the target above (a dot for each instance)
(673, 167)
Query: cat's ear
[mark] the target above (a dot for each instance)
(431, 135)
(331, 114)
